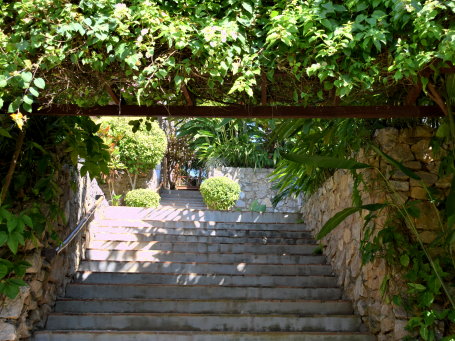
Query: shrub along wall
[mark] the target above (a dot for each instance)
(47, 279)
(255, 185)
(362, 284)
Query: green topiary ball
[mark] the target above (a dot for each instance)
(220, 193)
(142, 198)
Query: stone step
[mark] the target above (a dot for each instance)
(101, 335)
(207, 225)
(151, 291)
(181, 197)
(166, 201)
(302, 249)
(141, 213)
(205, 279)
(206, 257)
(152, 237)
(205, 306)
(195, 322)
(182, 200)
(182, 206)
(180, 194)
(191, 231)
(206, 268)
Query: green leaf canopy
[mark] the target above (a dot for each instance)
(312, 52)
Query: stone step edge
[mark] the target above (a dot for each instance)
(169, 201)
(201, 263)
(147, 335)
(148, 234)
(208, 243)
(178, 332)
(197, 274)
(209, 222)
(158, 233)
(202, 315)
(95, 225)
(67, 299)
(170, 252)
(82, 334)
(195, 286)
(143, 212)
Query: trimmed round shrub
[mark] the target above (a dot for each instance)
(142, 198)
(220, 193)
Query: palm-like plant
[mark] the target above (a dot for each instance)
(314, 137)
(231, 142)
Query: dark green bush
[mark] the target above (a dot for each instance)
(142, 198)
(220, 193)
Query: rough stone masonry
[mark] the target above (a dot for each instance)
(361, 284)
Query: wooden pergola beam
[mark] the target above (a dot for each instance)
(238, 111)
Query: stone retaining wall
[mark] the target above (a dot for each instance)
(255, 184)
(362, 283)
(150, 180)
(47, 278)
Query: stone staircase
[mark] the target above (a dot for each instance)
(200, 275)
(182, 199)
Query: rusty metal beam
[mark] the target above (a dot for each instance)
(247, 111)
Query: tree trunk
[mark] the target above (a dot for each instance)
(12, 166)
(130, 179)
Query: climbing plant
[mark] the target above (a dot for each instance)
(31, 171)
(144, 52)
(426, 270)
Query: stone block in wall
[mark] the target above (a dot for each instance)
(414, 165)
(36, 288)
(36, 262)
(399, 330)
(399, 175)
(429, 179)
(428, 219)
(7, 332)
(444, 182)
(23, 330)
(433, 167)
(240, 203)
(386, 138)
(374, 310)
(401, 186)
(12, 308)
(359, 291)
(427, 237)
(418, 193)
(57, 268)
(423, 152)
(401, 152)
(412, 135)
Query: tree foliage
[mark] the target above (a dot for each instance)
(135, 152)
(313, 52)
